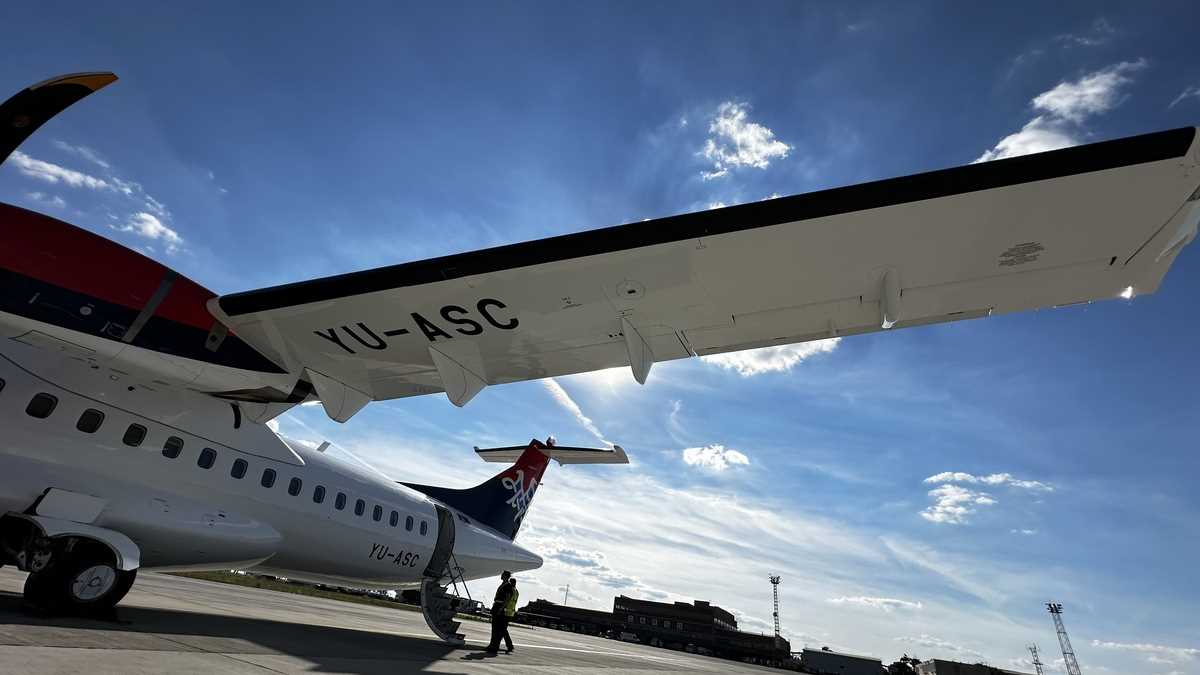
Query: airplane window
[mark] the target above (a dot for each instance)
(377, 513)
(359, 507)
(408, 523)
(172, 447)
(319, 494)
(41, 406)
(294, 486)
(424, 528)
(206, 459)
(394, 519)
(239, 468)
(268, 478)
(340, 502)
(90, 421)
(134, 435)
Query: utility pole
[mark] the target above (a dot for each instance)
(1063, 641)
(775, 579)
(1037, 663)
(566, 594)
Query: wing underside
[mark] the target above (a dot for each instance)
(1044, 230)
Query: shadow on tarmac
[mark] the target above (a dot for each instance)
(328, 649)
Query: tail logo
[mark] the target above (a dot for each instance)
(522, 495)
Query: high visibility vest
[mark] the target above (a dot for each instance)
(510, 607)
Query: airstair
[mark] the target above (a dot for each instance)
(438, 603)
(439, 608)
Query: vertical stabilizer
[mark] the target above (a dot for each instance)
(502, 501)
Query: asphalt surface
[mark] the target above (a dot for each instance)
(176, 625)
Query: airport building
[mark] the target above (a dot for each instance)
(561, 617)
(825, 661)
(698, 627)
(940, 667)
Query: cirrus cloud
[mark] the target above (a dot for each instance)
(884, 604)
(783, 358)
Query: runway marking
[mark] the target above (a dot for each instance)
(631, 655)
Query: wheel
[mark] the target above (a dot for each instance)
(78, 586)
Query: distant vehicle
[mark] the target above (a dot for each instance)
(626, 636)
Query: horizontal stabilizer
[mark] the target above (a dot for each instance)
(560, 454)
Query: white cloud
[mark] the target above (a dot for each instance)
(149, 226)
(735, 141)
(714, 457)
(1092, 94)
(1192, 91)
(150, 219)
(84, 152)
(953, 505)
(1027, 533)
(940, 645)
(47, 200)
(1100, 32)
(564, 399)
(771, 359)
(716, 205)
(1064, 109)
(1157, 653)
(884, 604)
(990, 479)
(53, 173)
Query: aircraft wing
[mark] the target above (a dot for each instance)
(1044, 230)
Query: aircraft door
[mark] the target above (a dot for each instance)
(444, 546)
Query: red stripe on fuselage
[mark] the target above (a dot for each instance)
(62, 254)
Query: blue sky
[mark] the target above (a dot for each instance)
(922, 491)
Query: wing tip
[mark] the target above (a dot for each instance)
(93, 81)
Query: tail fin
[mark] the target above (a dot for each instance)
(502, 501)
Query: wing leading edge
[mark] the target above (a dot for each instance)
(1051, 229)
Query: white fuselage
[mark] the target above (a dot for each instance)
(184, 516)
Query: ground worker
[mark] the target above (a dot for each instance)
(499, 618)
(510, 610)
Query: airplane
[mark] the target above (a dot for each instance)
(135, 403)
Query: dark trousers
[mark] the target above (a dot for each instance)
(507, 639)
(499, 631)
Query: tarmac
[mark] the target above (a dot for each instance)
(171, 624)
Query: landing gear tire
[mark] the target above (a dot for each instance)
(80, 586)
